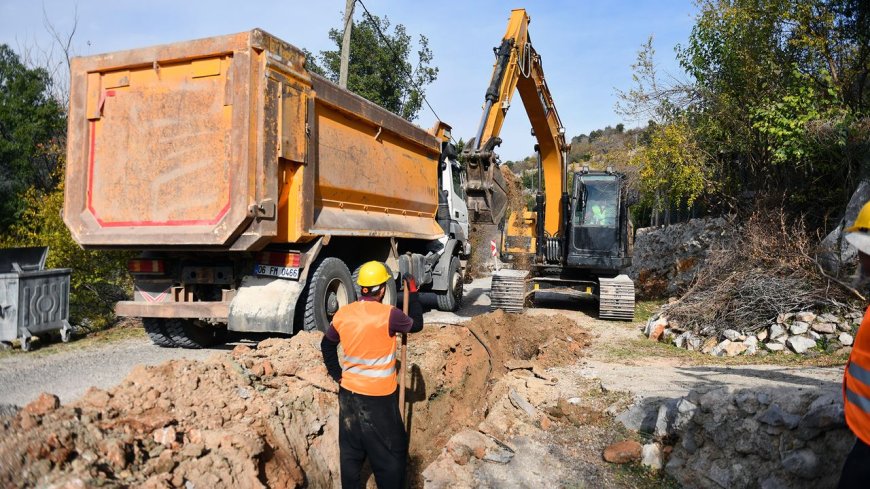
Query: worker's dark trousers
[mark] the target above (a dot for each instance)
(371, 426)
(856, 470)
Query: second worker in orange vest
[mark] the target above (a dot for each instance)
(856, 379)
(370, 425)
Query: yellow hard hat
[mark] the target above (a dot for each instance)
(859, 231)
(372, 273)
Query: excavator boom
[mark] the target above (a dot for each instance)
(517, 68)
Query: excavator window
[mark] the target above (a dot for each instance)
(600, 203)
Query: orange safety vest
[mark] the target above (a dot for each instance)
(856, 383)
(369, 360)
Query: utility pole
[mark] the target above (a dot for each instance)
(345, 43)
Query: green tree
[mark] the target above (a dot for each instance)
(672, 167)
(99, 278)
(380, 67)
(30, 120)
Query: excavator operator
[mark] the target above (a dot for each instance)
(370, 424)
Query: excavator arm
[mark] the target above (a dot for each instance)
(517, 68)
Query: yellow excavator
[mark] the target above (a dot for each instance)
(577, 238)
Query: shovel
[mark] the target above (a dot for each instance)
(402, 356)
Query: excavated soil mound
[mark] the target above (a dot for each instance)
(267, 416)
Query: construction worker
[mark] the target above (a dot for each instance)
(370, 425)
(856, 379)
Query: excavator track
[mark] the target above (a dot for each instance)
(616, 298)
(508, 290)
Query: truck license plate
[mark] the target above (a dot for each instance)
(274, 271)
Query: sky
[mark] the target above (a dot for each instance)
(587, 47)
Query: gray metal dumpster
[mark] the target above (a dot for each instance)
(32, 300)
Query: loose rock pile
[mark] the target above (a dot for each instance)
(771, 438)
(804, 332)
(667, 259)
(481, 403)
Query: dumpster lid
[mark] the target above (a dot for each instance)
(28, 259)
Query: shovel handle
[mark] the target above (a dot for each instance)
(403, 355)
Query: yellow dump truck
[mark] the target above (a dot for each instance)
(252, 187)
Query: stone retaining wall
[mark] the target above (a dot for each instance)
(769, 438)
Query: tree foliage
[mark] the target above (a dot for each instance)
(672, 168)
(30, 121)
(777, 99)
(384, 69)
(99, 278)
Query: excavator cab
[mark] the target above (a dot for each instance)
(598, 232)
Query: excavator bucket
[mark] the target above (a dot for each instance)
(486, 192)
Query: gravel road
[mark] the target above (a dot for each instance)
(69, 374)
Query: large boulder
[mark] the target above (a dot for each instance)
(838, 257)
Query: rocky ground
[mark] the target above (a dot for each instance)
(496, 400)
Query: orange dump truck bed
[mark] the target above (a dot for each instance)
(228, 143)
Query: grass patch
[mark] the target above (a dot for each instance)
(45, 345)
(643, 310)
(641, 347)
(637, 476)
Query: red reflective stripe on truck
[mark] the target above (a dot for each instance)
(109, 224)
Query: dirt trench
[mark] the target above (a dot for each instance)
(267, 416)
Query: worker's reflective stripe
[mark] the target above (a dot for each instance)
(367, 372)
(860, 373)
(858, 400)
(370, 362)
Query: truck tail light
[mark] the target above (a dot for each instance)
(146, 266)
(276, 259)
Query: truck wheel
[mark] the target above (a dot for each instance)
(329, 288)
(449, 300)
(156, 330)
(186, 333)
(390, 297)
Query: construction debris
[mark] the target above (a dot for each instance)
(266, 415)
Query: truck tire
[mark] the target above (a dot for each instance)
(329, 288)
(156, 330)
(390, 297)
(186, 333)
(449, 300)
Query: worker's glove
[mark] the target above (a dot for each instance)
(410, 282)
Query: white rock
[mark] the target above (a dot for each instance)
(731, 334)
(774, 346)
(827, 318)
(751, 341)
(781, 340)
(651, 456)
(719, 350)
(812, 334)
(735, 349)
(761, 335)
(782, 318)
(845, 326)
(846, 339)
(800, 344)
(799, 327)
(805, 316)
(776, 331)
(680, 341)
(825, 328)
